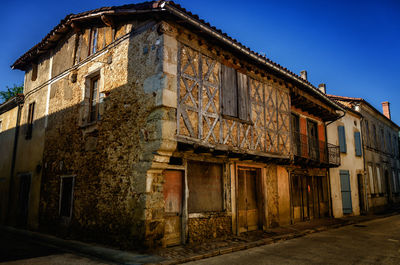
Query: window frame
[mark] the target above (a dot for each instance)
(239, 91)
(66, 218)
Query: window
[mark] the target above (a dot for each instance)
(29, 124)
(66, 196)
(395, 183)
(342, 139)
(93, 41)
(235, 94)
(374, 136)
(383, 143)
(94, 114)
(357, 143)
(379, 180)
(34, 71)
(205, 187)
(367, 136)
(371, 180)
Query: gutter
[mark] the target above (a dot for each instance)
(166, 6)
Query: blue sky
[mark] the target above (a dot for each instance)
(352, 46)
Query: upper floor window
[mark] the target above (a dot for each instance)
(342, 139)
(29, 124)
(383, 143)
(374, 136)
(34, 71)
(367, 135)
(93, 41)
(235, 94)
(94, 99)
(357, 143)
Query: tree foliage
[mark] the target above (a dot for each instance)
(11, 92)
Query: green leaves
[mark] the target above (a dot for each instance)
(11, 92)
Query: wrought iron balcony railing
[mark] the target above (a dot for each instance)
(323, 153)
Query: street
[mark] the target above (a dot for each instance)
(373, 242)
(15, 250)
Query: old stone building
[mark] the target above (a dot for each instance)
(347, 180)
(379, 185)
(147, 126)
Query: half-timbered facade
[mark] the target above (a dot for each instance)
(162, 130)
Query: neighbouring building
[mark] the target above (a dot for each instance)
(313, 155)
(143, 126)
(347, 180)
(379, 186)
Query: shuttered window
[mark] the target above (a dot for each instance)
(235, 94)
(29, 125)
(342, 139)
(357, 143)
(371, 180)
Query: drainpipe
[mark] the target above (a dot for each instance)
(365, 192)
(20, 102)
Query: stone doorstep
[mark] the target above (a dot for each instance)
(270, 240)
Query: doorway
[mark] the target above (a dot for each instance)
(249, 199)
(173, 201)
(23, 199)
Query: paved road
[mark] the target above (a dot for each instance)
(15, 250)
(374, 242)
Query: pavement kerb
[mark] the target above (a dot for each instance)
(113, 255)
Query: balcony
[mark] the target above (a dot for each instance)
(315, 153)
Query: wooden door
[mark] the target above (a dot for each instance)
(173, 195)
(248, 200)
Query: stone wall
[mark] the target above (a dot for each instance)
(202, 229)
(111, 158)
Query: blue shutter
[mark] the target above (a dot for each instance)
(346, 191)
(357, 141)
(342, 139)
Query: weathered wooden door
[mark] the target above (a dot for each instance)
(23, 200)
(346, 191)
(173, 195)
(248, 200)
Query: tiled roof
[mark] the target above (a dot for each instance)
(177, 10)
(360, 100)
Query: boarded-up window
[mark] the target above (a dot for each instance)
(66, 196)
(205, 187)
(235, 94)
(29, 124)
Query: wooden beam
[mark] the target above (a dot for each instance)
(108, 21)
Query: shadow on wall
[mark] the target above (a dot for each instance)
(109, 159)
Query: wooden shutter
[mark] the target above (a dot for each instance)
(243, 93)
(229, 91)
(346, 191)
(357, 142)
(342, 139)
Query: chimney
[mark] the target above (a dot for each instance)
(322, 88)
(386, 109)
(303, 74)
